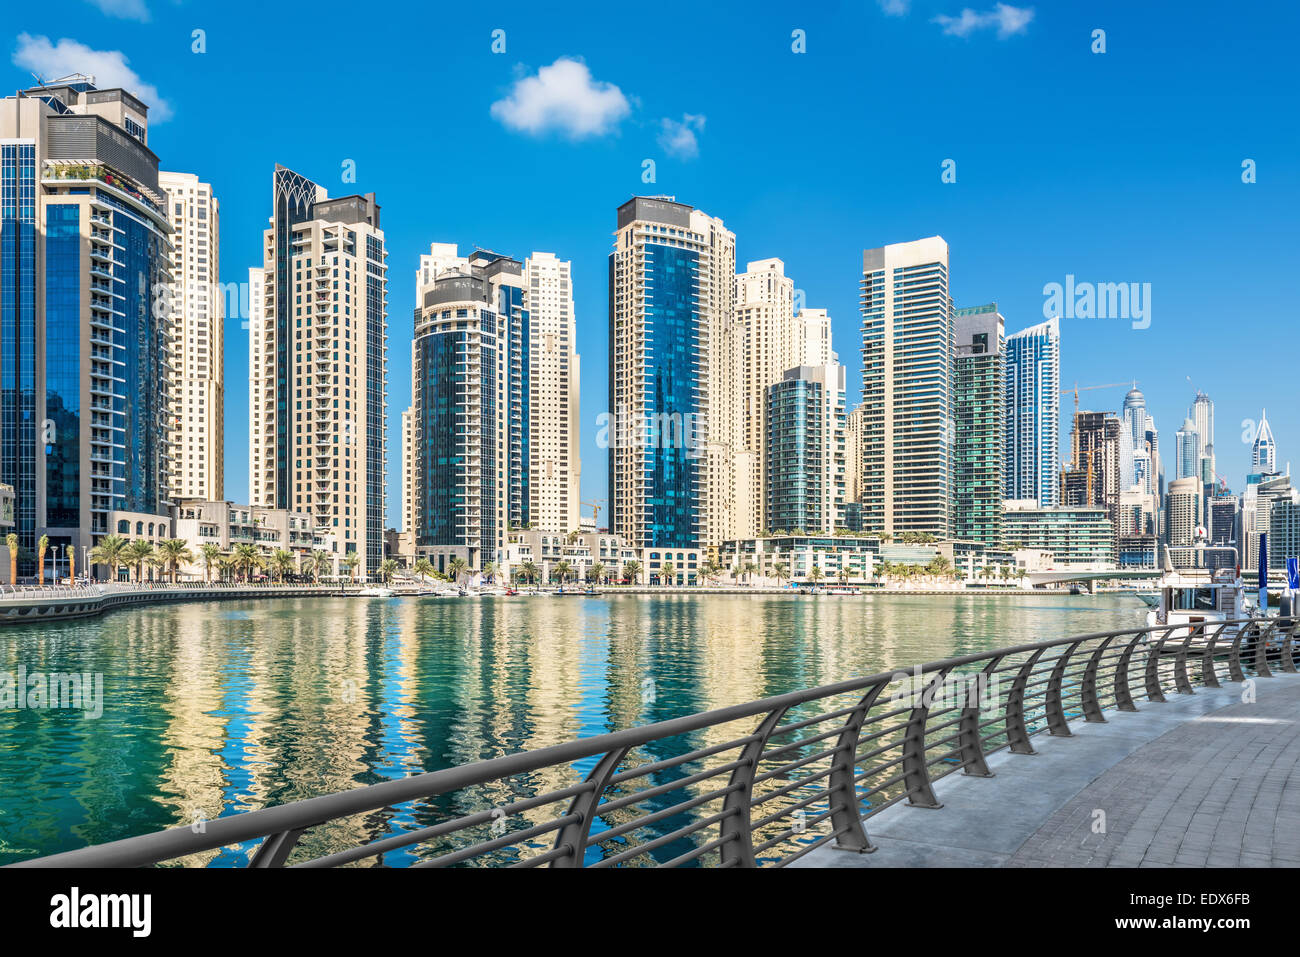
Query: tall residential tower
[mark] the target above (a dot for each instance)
(1033, 413)
(319, 366)
(907, 370)
(198, 345)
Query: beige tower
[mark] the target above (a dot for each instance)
(320, 379)
(198, 349)
(554, 464)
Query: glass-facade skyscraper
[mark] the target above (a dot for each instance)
(804, 461)
(979, 408)
(907, 388)
(470, 420)
(1033, 413)
(85, 271)
(671, 286)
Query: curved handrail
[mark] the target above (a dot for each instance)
(1055, 679)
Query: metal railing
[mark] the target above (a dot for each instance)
(49, 591)
(756, 784)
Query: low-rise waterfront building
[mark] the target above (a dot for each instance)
(228, 525)
(1074, 535)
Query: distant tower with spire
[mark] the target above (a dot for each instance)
(1263, 456)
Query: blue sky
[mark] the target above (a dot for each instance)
(1124, 166)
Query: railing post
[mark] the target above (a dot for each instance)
(1182, 683)
(1017, 732)
(970, 740)
(1123, 696)
(586, 805)
(276, 848)
(916, 776)
(1288, 640)
(1234, 656)
(1153, 667)
(1209, 676)
(1057, 726)
(846, 816)
(1261, 652)
(1088, 687)
(738, 839)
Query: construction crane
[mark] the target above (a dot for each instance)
(1074, 422)
(1088, 388)
(595, 510)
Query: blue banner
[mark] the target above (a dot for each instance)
(1293, 573)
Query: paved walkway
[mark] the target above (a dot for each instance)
(1200, 780)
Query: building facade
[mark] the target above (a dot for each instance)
(1073, 535)
(804, 455)
(1033, 413)
(555, 464)
(319, 365)
(85, 253)
(907, 371)
(979, 409)
(471, 428)
(197, 375)
(673, 376)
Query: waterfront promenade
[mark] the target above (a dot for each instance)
(1198, 780)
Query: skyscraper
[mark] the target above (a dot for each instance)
(1093, 477)
(1203, 416)
(804, 480)
(979, 406)
(773, 339)
(197, 380)
(1184, 518)
(85, 264)
(673, 376)
(907, 369)
(470, 422)
(1033, 413)
(1188, 449)
(318, 360)
(1263, 452)
(555, 467)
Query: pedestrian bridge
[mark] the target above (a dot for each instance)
(1001, 757)
(1055, 576)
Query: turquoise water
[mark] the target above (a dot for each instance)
(214, 708)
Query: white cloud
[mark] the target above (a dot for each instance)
(895, 8)
(123, 9)
(679, 138)
(53, 61)
(1007, 19)
(562, 97)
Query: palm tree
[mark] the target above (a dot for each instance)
(747, 569)
(423, 568)
(246, 558)
(281, 562)
(596, 572)
(386, 569)
(41, 546)
(322, 564)
(632, 569)
(110, 551)
(1020, 575)
(210, 552)
(173, 552)
(529, 571)
(781, 571)
(815, 574)
(137, 553)
(72, 564)
(226, 567)
(12, 541)
(844, 572)
(490, 571)
(563, 571)
(666, 573)
(350, 562)
(457, 567)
